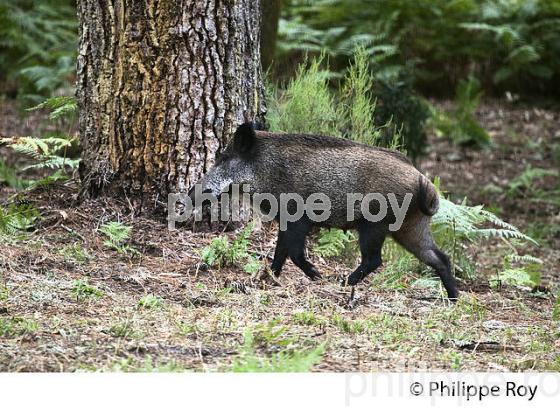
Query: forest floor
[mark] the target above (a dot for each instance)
(70, 303)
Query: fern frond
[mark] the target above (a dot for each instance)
(333, 242)
(60, 106)
(17, 217)
(466, 222)
(524, 259)
(29, 146)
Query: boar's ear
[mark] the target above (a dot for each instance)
(244, 139)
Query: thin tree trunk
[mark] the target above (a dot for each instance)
(271, 10)
(161, 87)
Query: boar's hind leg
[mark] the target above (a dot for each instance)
(371, 238)
(291, 242)
(418, 241)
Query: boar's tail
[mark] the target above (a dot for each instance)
(428, 199)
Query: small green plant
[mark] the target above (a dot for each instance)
(461, 125)
(307, 318)
(74, 253)
(398, 265)
(4, 292)
(150, 302)
(265, 299)
(216, 253)
(456, 360)
(513, 277)
(527, 275)
(347, 326)
(222, 252)
(271, 334)
(123, 330)
(117, 234)
(186, 329)
(82, 290)
(456, 225)
(283, 361)
(17, 326)
(471, 307)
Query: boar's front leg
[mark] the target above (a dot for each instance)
(291, 242)
(371, 238)
(280, 253)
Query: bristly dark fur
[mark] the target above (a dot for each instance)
(325, 141)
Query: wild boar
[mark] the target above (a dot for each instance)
(278, 164)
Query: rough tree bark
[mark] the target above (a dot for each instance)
(161, 86)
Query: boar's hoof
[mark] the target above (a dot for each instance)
(313, 274)
(352, 280)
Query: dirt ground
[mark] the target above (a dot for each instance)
(70, 303)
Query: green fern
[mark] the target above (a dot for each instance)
(460, 124)
(222, 252)
(525, 181)
(45, 151)
(333, 243)
(60, 107)
(117, 235)
(513, 277)
(455, 225)
(39, 42)
(512, 43)
(467, 223)
(17, 217)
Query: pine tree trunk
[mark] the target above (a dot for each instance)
(162, 84)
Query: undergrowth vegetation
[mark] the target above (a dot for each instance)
(53, 155)
(50, 152)
(460, 124)
(287, 359)
(308, 104)
(39, 41)
(508, 44)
